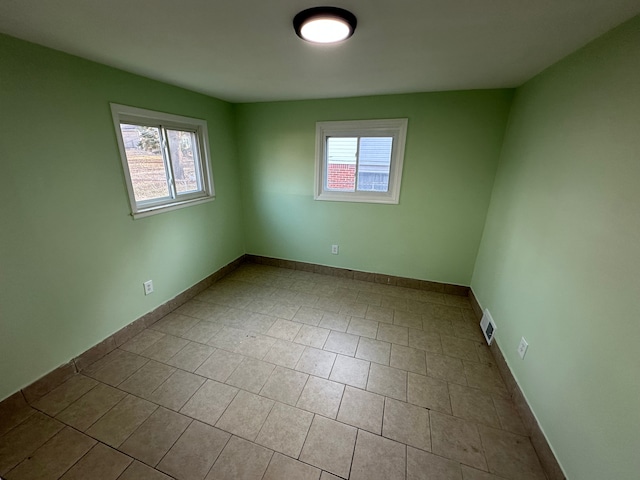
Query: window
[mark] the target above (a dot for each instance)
(360, 161)
(165, 159)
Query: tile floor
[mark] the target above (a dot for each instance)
(282, 374)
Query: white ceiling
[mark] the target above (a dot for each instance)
(246, 50)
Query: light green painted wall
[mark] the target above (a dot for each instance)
(72, 261)
(452, 148)
(559, 261)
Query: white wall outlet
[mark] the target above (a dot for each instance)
(334, 249)
(522, 348)
(148, 287)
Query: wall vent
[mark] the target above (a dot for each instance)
(488, 326)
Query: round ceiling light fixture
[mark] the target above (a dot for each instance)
(324, 24)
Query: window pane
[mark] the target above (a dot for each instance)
(184, 157)
(341, 164)
(374, 164)
(144, 158)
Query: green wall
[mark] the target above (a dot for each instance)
(452, 147)
(72, 260)
(559, 261)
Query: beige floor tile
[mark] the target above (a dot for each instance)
(469, 473)
(406, 319)
(209, 402)
(284, 329)
(312, 336)
(191, 356)
(177, 390)
(261, 305)
(509, 418)
(460, 348)
(203, 331)
(484, 353)
(285, 429)
(241, 460)
(284, 353)
(282, 467)
(23, 440)
(485, 377)
(363, 327)
(201, 310)
(140, 471)
(428, 392)
(374, 350)
(330, 305)
(510, 456)
(328, 476)
(122, 420)
(174, 324)
(316, 362)
(61, 397)
(153, 439)
(446, 368)
(468, 329)
(228, 338)
(284, 311)
(255, 345)
(406, 423)
(82, 413)
(456, 439)
(251, 375)
(377, 458)
(334, 321)
(436, 326)
(321, 396)
(387, 381)
(308, 316)
(329, 446)
(410, 359)
(393, 334)
(426, 466)
(258, 322)
(55, 457)
(147, 379)
(444, 312)
(220, 365)
(13, 411)
(101, 463)
(245, 415)
(343, 343)
(354, 309)
(427, 341)
(362, 409)
(116, 367)
(142, 341)
(473, 404)
(191, 457)
(284, 385)
(379, 314)
(351, 371)
(369, 298)
(165, 348)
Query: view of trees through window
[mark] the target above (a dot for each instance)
(150, 174)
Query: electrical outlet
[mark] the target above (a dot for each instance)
(148, 287)
(522, 348)
(334, 249)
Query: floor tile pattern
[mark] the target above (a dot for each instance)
(283, 374)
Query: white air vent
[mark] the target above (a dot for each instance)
(488, 326)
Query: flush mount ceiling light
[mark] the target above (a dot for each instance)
(324, 24)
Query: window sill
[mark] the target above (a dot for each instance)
(147, 212)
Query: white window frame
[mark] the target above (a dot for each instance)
(396, 128)
(151, 118)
